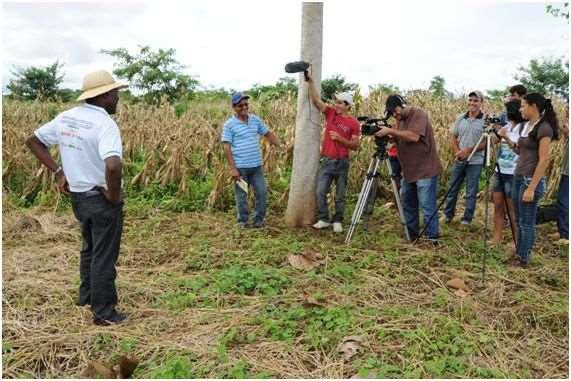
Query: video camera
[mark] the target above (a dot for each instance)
(370, 126)
(490, 122)
(492, 119)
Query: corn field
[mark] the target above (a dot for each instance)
(164, 147)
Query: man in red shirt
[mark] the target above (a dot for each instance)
(341, 134)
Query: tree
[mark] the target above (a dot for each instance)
(285, 85)
(335, 84)
(559, 12)
(155, 74)
(437, 86)
(385, 88)
(36, 82)
(496, 94)
(301, 203)
(546, 76)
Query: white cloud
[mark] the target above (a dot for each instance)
(472, 44)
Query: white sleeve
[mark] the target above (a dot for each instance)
(47, 133)
(110, 142)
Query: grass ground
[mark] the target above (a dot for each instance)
(206, 299)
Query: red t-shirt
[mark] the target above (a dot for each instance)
(346, 126)
(392, 151)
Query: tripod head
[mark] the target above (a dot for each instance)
(489, 123)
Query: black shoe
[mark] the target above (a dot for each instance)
(116, 318)
(258, 225)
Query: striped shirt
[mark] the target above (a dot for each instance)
(468, 131)
(244, 140)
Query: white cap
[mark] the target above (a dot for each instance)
(347, 97)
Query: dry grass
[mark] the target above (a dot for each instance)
(161, 148)
(176, 273)
(392, 294)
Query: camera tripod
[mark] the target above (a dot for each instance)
(379, 156)
(487, 135)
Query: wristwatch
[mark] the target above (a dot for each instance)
(58, 170)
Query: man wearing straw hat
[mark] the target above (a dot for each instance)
(90, 173)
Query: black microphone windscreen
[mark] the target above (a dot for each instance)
(296, 67)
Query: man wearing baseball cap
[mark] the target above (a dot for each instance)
(342, 132)
(241, 138)
(417, 154)
(466, 133)
(90, 173)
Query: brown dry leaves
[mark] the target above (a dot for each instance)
(124, 369)
(308, 260)
(459, 285)
(350, 346)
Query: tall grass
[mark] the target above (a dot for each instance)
(174, 152)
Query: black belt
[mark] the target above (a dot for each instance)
(90, 193)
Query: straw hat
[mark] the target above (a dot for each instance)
(97, 83)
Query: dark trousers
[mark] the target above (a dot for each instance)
(332, 170)
(563, 207)
(101, 227)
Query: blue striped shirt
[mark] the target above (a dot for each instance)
(244, 140)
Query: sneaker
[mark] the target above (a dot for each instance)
(337, 227)
(465, 222)
(445, 219)
(258, 225)
(321, 224)
(435, 242)
(243, 225)
(116, 318)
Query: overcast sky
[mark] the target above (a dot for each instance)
(234, 44)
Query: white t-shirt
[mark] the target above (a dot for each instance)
(86, 136)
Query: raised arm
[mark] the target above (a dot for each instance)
(314, 94)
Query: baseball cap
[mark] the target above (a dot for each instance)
(476, 93)
(237, 97)
(347, 97)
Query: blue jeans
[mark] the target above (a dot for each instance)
(526, 215)
(255, 178)
(421, 194)
(460, 172)
(332, 170)
(563, 207)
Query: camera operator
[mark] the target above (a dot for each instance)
(342, 132)
(466, 132)
(516, 93)
(507, 160)
(417, 154)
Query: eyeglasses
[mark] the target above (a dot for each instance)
(240, 105)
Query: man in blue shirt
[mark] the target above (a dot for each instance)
(240, 136)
